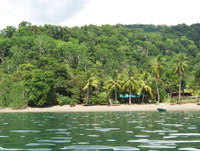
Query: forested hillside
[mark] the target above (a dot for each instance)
(48, 65)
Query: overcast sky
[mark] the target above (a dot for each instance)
(80, 12)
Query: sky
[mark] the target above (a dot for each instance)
(84, 12)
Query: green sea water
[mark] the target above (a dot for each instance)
(111, 131)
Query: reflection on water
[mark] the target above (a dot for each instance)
(111, 131)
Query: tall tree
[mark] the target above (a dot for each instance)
(157, 67)
(145, 80)
(130, 82)
(113, 84)
(180, 66)
(91, 82)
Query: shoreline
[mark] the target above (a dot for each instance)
(107, 108)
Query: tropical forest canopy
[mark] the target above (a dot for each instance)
(49, 65)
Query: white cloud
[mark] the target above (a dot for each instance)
(12, 12)
(168, 12)
(81, 12)
(7, 15)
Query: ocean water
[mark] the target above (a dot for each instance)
(110, 131)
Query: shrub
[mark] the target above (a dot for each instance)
(12, 94)
(39, 86)
(62, 100)
(101, 98)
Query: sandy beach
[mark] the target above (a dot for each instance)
(109, 108)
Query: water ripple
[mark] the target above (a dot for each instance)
(16, 149)
(189, 149)
(176, 125)
(3, 136)
(163, 141)
(25, 131)
(98, 147)
(142, 136)
(61, 138)
(55, 141)
(185, 134)
(103, 129)
(56, 130)
(93, 135)
(39, 144)
(157, 147)
(111, 140)
(160, 131)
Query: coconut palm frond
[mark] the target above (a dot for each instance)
(95, 83)
(86, 86)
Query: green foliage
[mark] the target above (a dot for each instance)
(63, 100)
(8, 31)
(5, 44)
(113, 84)
(100, 98)
(145, 85)
(12, 93)
(63, 80)
(27, 67)
(39, 87)
(38, 63)
(90, 83)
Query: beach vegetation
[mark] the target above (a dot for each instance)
(58, 65)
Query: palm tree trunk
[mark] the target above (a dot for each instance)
(130, 96)
(115, 95)
(157, 89)
(88, 96)
(143, 96)
(180, 79)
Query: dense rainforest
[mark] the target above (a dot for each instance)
(50, 65)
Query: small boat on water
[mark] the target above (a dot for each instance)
(161, 108)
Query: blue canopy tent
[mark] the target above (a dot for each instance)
(132, 96)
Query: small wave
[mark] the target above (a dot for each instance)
(55, 141)
(157, 147)
(110, 140)
(61, 138)
(25, 131)
(16, 149)
(143, 136)
(160, 131)
(98, 147)
(129, 132)
(93, 135)
(39, 144)
(189, 149)
(163, 141)
(176, 125)
(185, 134)
(131, 122)
(56, 130)
(4, 136)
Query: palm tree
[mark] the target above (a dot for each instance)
(130, 83)
(113, 84)
(144, 82)
(180, 66)
(91, 82)
(157, 67)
